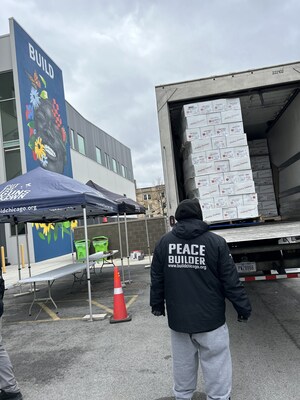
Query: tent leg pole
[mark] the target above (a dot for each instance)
(18, 251)
(121, 251)
(127, 248)
(19, 262)
(147, 234)
(28, 255)
(71, 238)
(88, 277)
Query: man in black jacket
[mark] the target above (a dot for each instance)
(192, 271)
(8, 384)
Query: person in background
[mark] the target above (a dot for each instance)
(193, 273)
(8, 384)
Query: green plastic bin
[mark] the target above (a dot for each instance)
(100, 243)
(80, 248)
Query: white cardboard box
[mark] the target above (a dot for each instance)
(266, 196)
(234, 152)
(257, 151)
(213, 155)
(235, 200)
(207, 204)
(230, 213)
(248, 211)
(231, 116)
(217, 178)
(260, 162)
(191, 134)
(207, 131)
(250, 198)
(204, 168)
(264, 173)
(214, 119)
(222, 130)
(236, 128)
(237, 164)
(227, 189)
(209, 191)
(265, 189)
(193, 159)
(195, 121)
(199, 145)
(221, 201)
(263, 181)
(219, 105)
(258, 143)
(222, 166)
(205, 107)
(236, 140)
(268, 205)
(214, 214)
(238, 176)
(233, 104)
(190, 109)
(191, 184)
(244, 187)
(218, 142)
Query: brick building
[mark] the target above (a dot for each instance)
(153, 199)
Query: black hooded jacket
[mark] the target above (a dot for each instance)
(192, 271)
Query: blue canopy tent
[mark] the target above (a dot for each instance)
(44, 196)
(126, 206)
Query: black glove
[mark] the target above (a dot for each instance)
(158, 312)
(241, 318)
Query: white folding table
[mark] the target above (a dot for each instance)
(52, 275)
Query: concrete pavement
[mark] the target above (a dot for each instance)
(61, 356)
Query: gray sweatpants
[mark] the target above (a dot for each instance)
(8, 381)
(212, 349)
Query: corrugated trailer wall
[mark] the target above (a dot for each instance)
(284, 146)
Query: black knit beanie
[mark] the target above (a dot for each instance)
(188, 209)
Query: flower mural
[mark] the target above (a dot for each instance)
(51, 231)
(47, 135)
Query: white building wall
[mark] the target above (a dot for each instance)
(85, 169)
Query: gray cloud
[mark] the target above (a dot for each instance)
(114, 53)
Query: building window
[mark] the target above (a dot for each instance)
(107, 160)
(13, 165)
(123, 173)
(114, 165)
(98, 155)
(21, 229)
(81, 144)
(147, 196)
(72, 138)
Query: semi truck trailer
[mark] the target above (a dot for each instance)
(265, 244)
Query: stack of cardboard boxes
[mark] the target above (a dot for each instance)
(262, 176)
(217, 168)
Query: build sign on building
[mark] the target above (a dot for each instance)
(42, 119)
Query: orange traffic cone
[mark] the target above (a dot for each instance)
(120, 312)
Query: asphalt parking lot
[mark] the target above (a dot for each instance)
(60, 356)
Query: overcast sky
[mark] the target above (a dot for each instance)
(114, 52)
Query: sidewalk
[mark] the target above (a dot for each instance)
(14, 274)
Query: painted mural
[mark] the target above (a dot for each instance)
(44, 123)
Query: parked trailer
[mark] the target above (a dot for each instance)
(270, 106)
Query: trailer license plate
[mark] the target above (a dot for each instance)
(246, 266)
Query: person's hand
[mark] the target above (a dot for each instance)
(241, 318)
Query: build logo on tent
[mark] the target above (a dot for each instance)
(12, 192)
